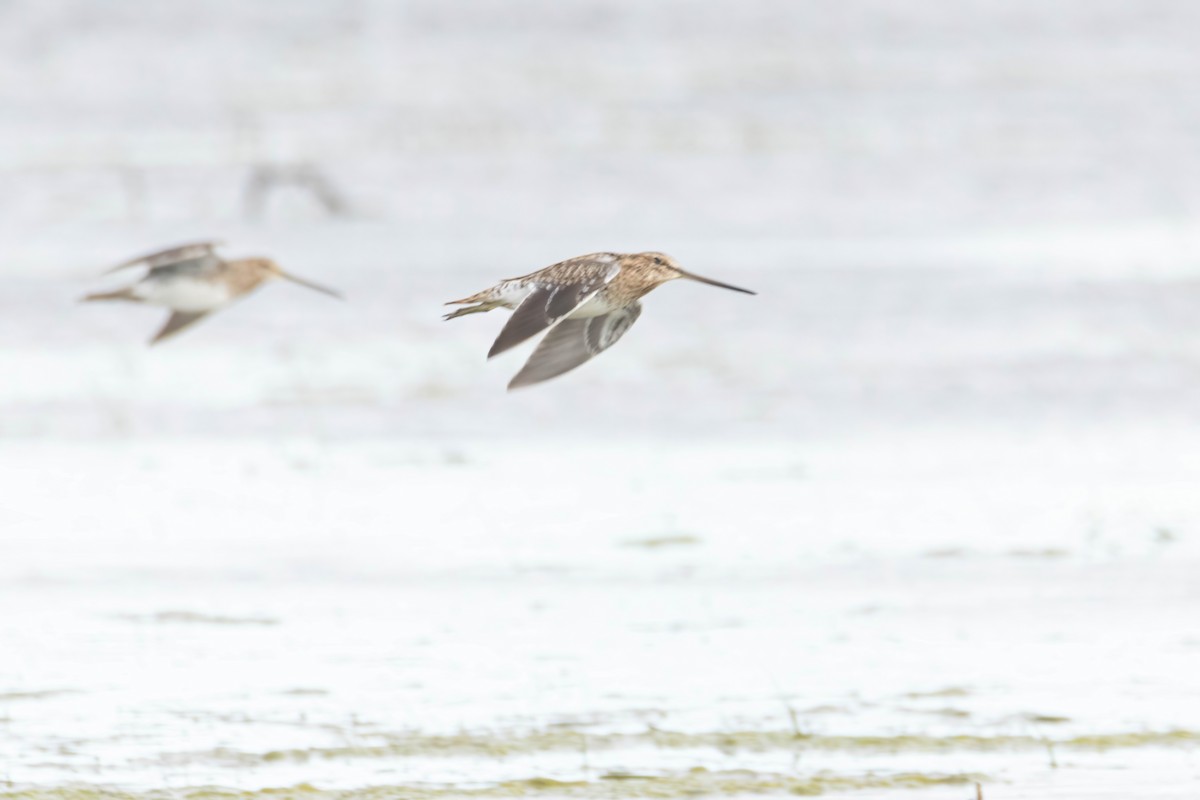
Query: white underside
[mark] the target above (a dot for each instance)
(183, 294)
(594, 307)
(513, 295)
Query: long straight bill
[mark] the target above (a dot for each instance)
(711, 282)
(311, 285)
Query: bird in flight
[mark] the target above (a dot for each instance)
(193, 282)
(587, 303)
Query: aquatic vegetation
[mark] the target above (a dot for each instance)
(196, 618)
(500, 746)
(950, 691)
(693, 782)
(41, 694)
(666, 540)
(1044, 719)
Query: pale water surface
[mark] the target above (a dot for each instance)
(921, 515)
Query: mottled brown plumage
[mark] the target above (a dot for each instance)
(193, 281)
(587, 302)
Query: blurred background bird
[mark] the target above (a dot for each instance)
(193, 281)
(588, 302)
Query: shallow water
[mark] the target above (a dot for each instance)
(732, 619)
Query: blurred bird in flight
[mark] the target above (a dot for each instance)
(193, 282)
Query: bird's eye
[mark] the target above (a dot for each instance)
(658, 260)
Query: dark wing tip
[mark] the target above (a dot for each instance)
(500, 345)
(177, 322)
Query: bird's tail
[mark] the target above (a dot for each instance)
(478, 297)
(120, 294)
(478, 308)
(476, 304)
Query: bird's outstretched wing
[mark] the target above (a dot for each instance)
(558, 290)
(198, 255)
(177, 322)
(574, 341)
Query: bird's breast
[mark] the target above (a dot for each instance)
(184, 293)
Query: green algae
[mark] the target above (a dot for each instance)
(946, 552)
(694, 782)
(950, 691)
(621, 785)
(502, 746)
(1114, 741)
(1047, 552)
(196, 618)
(43, 694)
(947, 712)
(656, 542)
(1045, 719)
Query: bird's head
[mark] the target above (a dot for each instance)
(661, 268)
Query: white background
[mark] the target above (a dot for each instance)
(937, 480)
